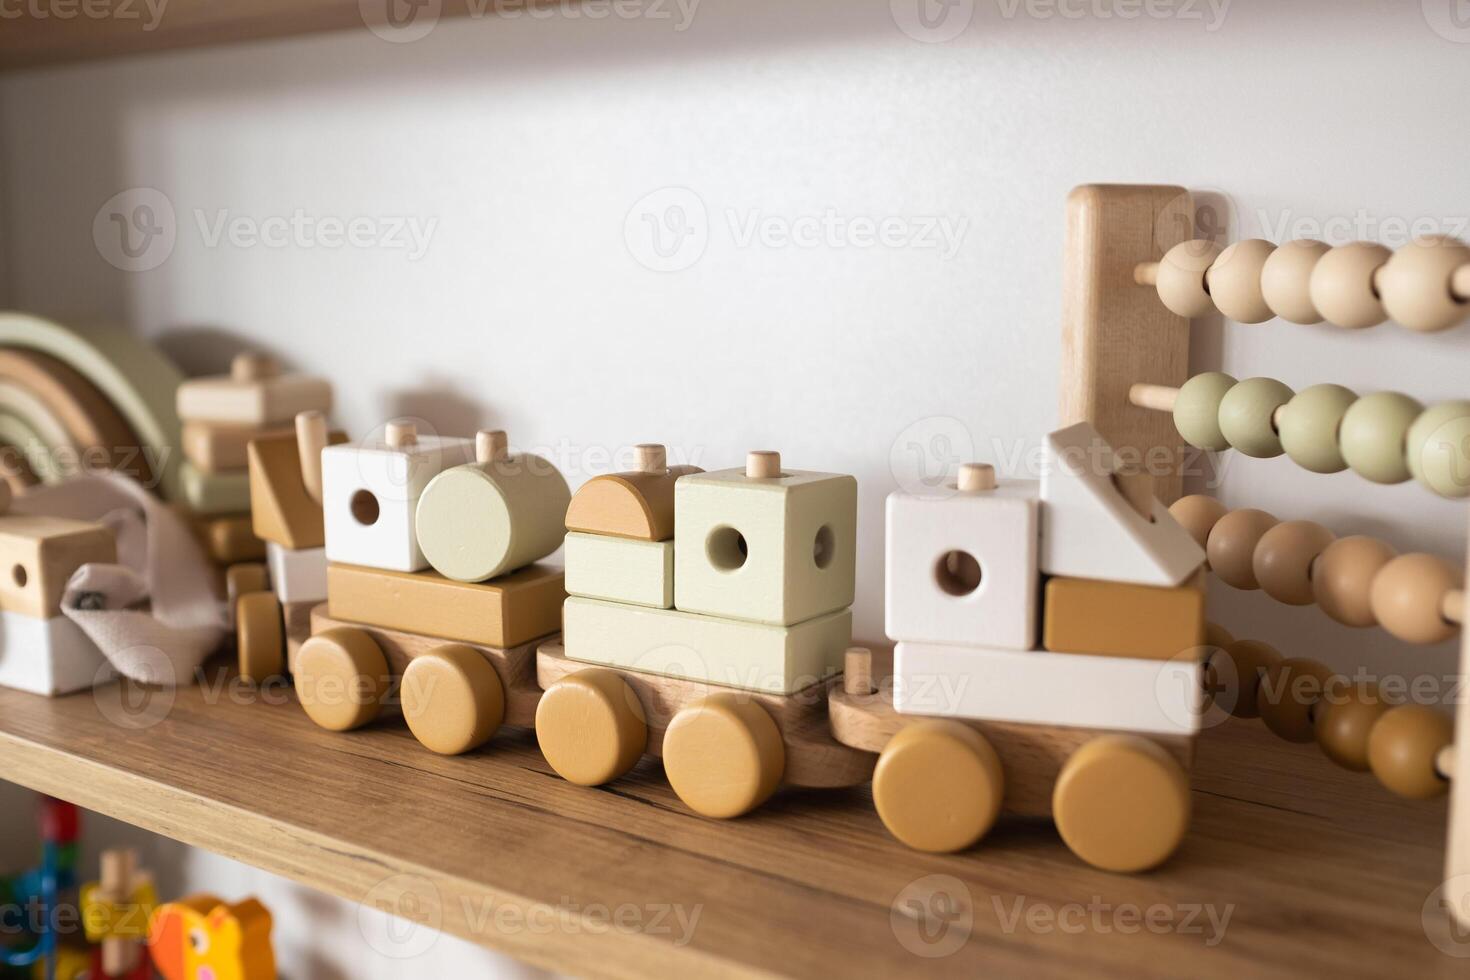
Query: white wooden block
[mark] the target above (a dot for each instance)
(48, 656)
(297, 574)
(730, 652)
(620, 569)
(961, 568)
(1089, 530)
(1040, 688)
(369, 493)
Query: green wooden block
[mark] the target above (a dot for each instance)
(620, 569)
(214, 493)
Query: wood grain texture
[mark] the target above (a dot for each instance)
(1457, 856)
(1115, 332)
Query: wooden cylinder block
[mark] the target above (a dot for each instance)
(650, 457)
(1374, 436)
(1402, 748)
(1286, 280)
(938, 786)
(452, 699)
(1181, 278)
(1197, 410)
(1198, 515)
(976, 477)
(590, 727)
(260, 636)
(1415, 284)
(341, 678)
(1282, 562)
(1121, 803)
(1234, 281)
(1247, 416)
(1408, 597)
(1308, 426)
(1342, 285)
(1342, 578)
(762, 464)
(723, 755)
(1231, 547)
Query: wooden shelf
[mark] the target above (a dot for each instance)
(1323, 873)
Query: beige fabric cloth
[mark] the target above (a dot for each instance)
(154, 614)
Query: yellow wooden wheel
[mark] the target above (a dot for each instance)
(260, 636)
(723, 755)
(1122, 803)
(452, 698)
(341, 678)
(590, 727)
(938, 786)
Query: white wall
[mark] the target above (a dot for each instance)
(530, 143)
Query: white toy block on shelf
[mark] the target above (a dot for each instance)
(1090, 530)
(370, 491)
(1073, 689)
(961, 568)
(297, 574)
(48, 656)
(600, 566)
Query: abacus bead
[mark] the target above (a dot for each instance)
(1234, 281)
(1308, 427)
(1232, 544)
(1181, 278)
(1438, 448)
(1283, 558)
(1289, 692)
(1197, 410)
(1245, 416)
(1342, 726)
(1286, 280)
(1197, 514)
(1342, 579)
(1374, 435)
(1217, 636)
(1402, 748)
(1415, 284)
(1408, 595)
(1342, 285)
(1237, 680)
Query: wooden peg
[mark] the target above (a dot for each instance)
(976, 477)
(253, 367)
(491, 446)
(762, 464)
(401, 433)
(1452, 606)
(1444, 762)
(651, 458)
(1146, 274)
(119, 866)
(311, 438)
(857, 671)
(1155, 398)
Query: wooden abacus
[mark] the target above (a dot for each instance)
(1124, 366)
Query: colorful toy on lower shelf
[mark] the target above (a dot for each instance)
(116, 911)
(205, 938)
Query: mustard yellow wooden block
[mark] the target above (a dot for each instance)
(729, 652)
(1120, 619)
(503, 612)
(38, 555)
(253, 393)
(281, 508)
(229, 539)
(620, 569)
(636, 505)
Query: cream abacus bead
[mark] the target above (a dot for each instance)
(1344, 721)
(1234, 281)
(1197, 410)
(1286, 280)
(1283, 558)
(1289, 693)
(1246, 416)
(1342, 285)
(1308, 425)
(1374, 436)
(1181, 277)
(1402, 748)
(1342, 578)
(1415, 284)
(1197, 514)
(1438, 448)
(1231, 547)
(1408, 597)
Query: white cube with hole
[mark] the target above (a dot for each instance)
(370, 491)
(775, 549)
(960, 566)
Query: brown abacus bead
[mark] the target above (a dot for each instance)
(1288, 694)
(1233, 675)
(1342, 578)
(1197, 514)
(1403, 746)
(1342, 285)
(1217, 636)
(1408, 597)
(1234, 281)
(1343, 724)
(1231, 547)
(1283, 558)
(1181, 277)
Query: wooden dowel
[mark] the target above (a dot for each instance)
(857, 671)
(1146, 274)
(1157, 398)
(1444, 762)
(311, 439)
(1452, 607)
(1460, 284)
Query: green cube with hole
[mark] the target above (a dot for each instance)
(776, 549)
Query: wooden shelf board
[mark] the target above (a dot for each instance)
(1323, 873)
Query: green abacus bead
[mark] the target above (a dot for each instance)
(1374, 436)
(1309, 425)
(1197, 410)
(1245, 416)
(1439, 448)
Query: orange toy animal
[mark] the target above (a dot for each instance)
(203, 938)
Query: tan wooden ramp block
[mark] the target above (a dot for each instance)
(728, 652)
(600, 566)
(281, 508)
(38, 556)
(503, 612)
(1120, 619)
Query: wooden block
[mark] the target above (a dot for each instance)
(960, 567)
(203, 936)
(776, 550)
(297, 617)
(505, 612)
(48, 656)
(39, 554)
(728, 652)
(1132, 695)
(214, 493)
(370, 491)
(1090, 530)
(216, 448)
(259, 401)
(1116, 333)
(297, 574)
(628, 505)
(1122, 620)
(229, 539)
(620, 569)
(282, 508)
